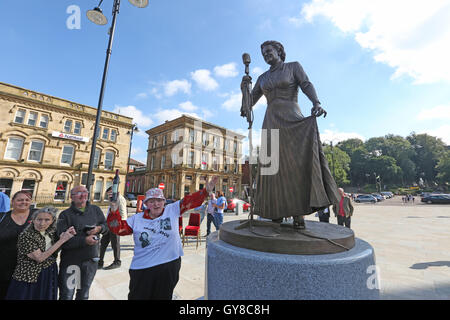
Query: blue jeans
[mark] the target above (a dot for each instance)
(219, 218)
(76, 276)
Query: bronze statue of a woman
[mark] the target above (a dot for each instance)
(303, 183)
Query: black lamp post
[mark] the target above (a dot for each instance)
(97, 17)
(133, 129)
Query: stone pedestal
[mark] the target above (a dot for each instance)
(235, 273)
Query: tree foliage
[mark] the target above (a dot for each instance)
(395, 159)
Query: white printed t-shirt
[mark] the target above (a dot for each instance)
(156, 241)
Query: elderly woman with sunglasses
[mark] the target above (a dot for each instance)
(12, 223)
(154, 270)
(36, 274)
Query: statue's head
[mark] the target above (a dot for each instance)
(278, 46)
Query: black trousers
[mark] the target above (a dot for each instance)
(115, 245)
(155, 283)
(344, 220)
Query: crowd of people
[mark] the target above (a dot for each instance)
(30, 240)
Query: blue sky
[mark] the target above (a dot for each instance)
(378, 67)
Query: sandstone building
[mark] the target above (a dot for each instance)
(45, 143)
(186, 152)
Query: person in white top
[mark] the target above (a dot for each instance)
(154, 270)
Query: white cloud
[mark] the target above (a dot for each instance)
(234, 102)
(335, 136)
(256, 71)
(256, 140)
(226, 71)
(142, 95)
(171, 114)
(143, 122)
(442, 132)
(139, 154)
(188, 106)
(172, 87)
(204, 80)
(440, 112)
(411, 36)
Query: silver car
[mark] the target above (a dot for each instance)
(366, 198)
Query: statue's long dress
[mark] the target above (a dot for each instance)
(303, 183)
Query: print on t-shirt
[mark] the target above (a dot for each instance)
(145, 241)
(165, 224)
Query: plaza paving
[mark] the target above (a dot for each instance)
(411, 243)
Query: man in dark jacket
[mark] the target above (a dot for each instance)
(79, 255)
(343, 210)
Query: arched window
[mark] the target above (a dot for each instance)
(14, 148)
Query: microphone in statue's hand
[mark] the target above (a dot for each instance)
(246, 58)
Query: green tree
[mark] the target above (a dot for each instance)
(428, 150)
(338, 161)
(443, 169)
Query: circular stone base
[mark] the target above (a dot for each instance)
(316, 238)
(234, 273)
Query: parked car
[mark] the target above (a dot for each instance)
(387, 194)
(131, 200)
(232, 205)
(366, 198)
(436, 198)
(379, 197)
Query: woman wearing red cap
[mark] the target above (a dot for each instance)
(154, 270)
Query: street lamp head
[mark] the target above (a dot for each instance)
(96, 16)
(139, 3)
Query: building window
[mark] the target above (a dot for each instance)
(77, 129)
(204, 138)
(98, 190)
(44, 121)
(164, 142)
(20, 116)
(235, 146)
(60, 192)
(155, 142)
(68, 126)
(163, 161)
(191, 136)
(32, 118)
(175, 135)
(204, 165)
(215, 165)
(97, 158)
(14, 148)
(152, 163)
(28, 185)
(191, 159)
(216, 142)
(113, 136)
(105, 133)
(67, 155)
(36, 149)
(109, 160)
